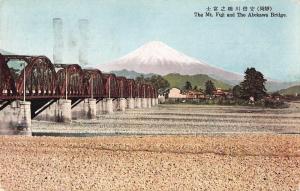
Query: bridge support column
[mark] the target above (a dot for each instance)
(109, 106)
(91, 108)
(15, 119)
(99, 107)
(24, 125)
(144, 102)
(64, 111)
(116, 104)
(138, 103)
(153, 102)
(156, 101)
(149, 102)
(122, 104)
(131, 103)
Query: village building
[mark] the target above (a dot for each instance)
(175, 93)
(219, 93)
(191, 94)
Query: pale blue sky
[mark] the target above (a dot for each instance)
(116, 28)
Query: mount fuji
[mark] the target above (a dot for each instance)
(157, 57)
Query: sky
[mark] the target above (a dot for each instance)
(271, 45)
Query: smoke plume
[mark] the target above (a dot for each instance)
(83, 25)
(58, 40)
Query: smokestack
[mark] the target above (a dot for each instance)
(58, 40)
(83, 25)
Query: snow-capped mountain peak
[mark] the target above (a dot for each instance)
(159, 58)
(154, 51)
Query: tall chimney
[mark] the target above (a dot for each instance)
(58, 40)
(83, 25)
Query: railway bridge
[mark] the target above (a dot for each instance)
(31, 87)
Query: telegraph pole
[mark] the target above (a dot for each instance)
(24, 82)
(92, 88)
(109, 87)
(66, 83)
(131, 90)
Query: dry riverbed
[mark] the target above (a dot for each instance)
(191, 147)
(206, 162)
(184, 119)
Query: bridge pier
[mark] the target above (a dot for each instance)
(144, 102)
(108, 106)
(122, 104)
(138, 103)
(64, 113)
(153, 102)
(87, 109)
(25, 115)
(131, 103)
(116, 104)
(15, 119)
(156, 101)
(60, 111)
(149, 102)
(91, 108)
(99, 107)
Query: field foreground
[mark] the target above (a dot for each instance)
(214, 162)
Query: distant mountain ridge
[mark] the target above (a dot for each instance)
(178, 80)
(199, 80)
(273, 86)
(130, 73)
(291, 90)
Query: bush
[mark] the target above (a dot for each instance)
(268, 103)
(276, 104)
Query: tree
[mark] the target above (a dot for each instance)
(159, 82)
(209, 87)
(276, 95)
(253, 84)
(156, 80)
(187, 86)
(140, 79)
(236, 91)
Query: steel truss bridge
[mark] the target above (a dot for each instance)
(43, 83)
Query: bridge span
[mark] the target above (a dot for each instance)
(31, 87)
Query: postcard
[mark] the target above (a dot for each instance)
(149, 95)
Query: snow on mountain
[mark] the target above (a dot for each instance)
(157, 57)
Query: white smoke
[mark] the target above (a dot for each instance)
(77, 42)
(83, 26)
(58, 48)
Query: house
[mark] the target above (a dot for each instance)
(219, 93)
(175, 93)
(191, 94)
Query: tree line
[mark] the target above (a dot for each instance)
(253, 85)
